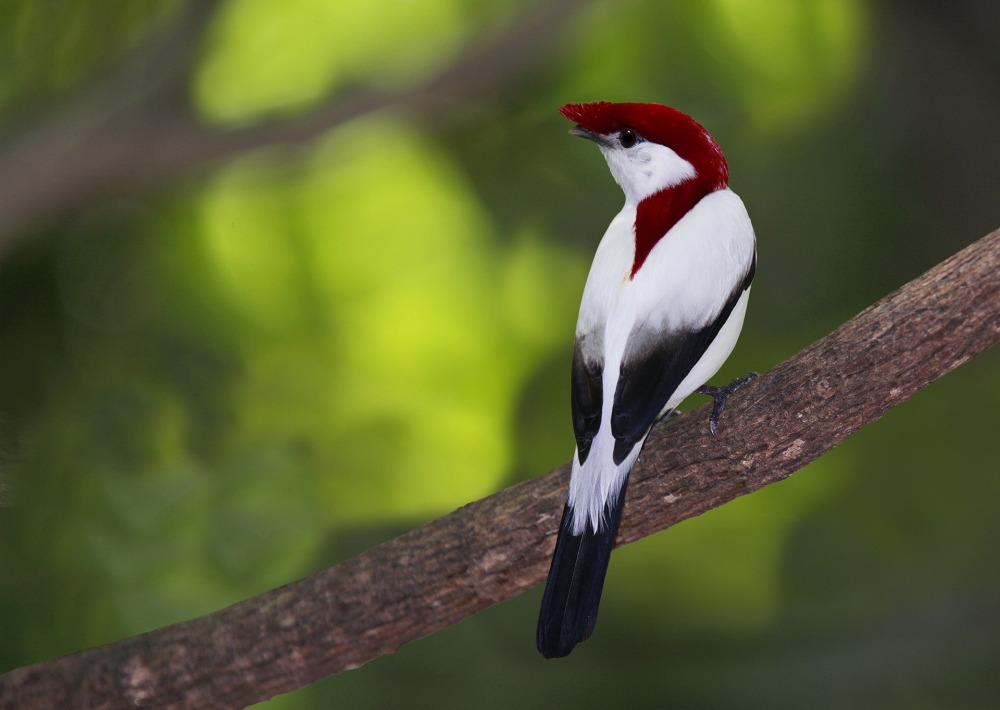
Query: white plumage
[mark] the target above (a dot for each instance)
(661, 311)
(683, 285)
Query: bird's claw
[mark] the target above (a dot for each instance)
(720, 395)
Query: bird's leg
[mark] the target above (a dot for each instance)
(720, 395)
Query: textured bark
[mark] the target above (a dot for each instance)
(495, 548)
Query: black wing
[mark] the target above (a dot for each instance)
(654, 365)
(587, 395)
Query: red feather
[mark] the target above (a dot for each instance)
(676, 130)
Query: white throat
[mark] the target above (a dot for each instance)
(645, 169)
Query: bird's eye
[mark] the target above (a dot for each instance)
(628, 138)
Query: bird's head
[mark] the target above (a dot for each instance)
(649, 147)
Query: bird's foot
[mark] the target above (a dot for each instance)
(720, 395)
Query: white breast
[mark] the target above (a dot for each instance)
(684, 282)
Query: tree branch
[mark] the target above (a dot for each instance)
(496, 548)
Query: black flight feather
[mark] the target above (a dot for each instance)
(576, 578)
(654, 365)
(586, 394)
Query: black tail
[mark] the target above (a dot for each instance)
(576, 579)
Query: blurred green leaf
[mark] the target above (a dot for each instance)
(260, 61)
(792, 60)
(47, 48)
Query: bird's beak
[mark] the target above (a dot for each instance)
(582, 132)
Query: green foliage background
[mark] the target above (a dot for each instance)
(212, 390)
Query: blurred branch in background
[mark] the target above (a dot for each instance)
(136, 129)
(492, 550)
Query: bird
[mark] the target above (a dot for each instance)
(662, 308)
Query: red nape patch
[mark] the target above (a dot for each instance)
(655, 216)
